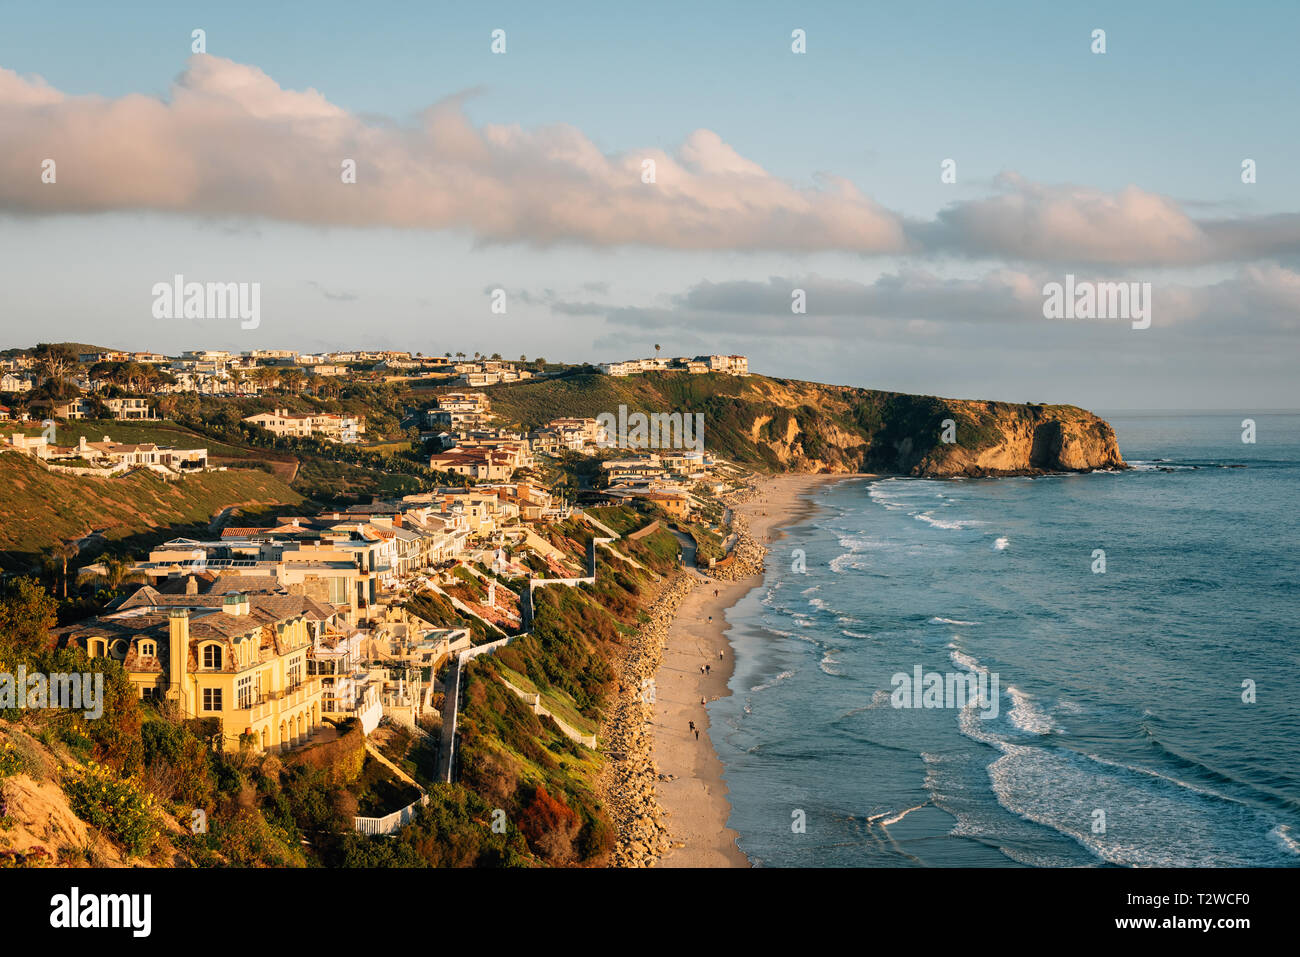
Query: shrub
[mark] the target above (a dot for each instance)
(11, 761)
(114, 804)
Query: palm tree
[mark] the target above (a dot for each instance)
(291, 378)
(267, 376)
(64, 553)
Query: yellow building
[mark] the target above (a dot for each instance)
(238, 658)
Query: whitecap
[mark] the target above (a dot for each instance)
(768, 684)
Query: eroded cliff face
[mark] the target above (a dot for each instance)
(835, 429)
(1019, 440)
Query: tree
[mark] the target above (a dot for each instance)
(116, 571)
(267, 377)
(56, 361)
(656, 349)
(27, 613)
(65, 552)
(291, 378)
(522, 357)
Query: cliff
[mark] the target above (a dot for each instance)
(789, 425)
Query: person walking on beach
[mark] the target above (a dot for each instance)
(701, 669)
(697, 734)
(719, 654)
(706, 669)
(692, 725)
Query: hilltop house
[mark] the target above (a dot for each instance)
(128, 409)
(237, 658)
(333, 428)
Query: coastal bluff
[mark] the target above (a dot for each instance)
(788, 425)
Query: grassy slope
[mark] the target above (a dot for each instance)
(38, 509)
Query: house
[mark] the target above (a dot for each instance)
(128, 409)
(239, 659)
(11, 382)
(347, 688)
(492, 465)
(731, 365)
(74, 409)
(144, 453)
(333, 428)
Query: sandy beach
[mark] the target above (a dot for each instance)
(690, 789)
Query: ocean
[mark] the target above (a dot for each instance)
(1143, 629)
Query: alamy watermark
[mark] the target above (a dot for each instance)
(179, 299)
(1098, 300)
(658, 430)
(57, 690)
(955, 689)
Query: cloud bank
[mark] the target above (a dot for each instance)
(228, 140)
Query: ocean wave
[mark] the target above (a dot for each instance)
(809, 591)
(846, 561)
(852, 634)
(963, 660)
(1282, 834)
(774, 681)
(1062, 790)
(856, 543)
(1026, 715)
(936, 620)
(956, 524)
(1001, 543)
(828, 663)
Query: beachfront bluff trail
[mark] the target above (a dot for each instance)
(787, 425)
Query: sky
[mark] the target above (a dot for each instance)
(774, 171)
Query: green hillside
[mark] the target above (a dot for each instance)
(39, 509)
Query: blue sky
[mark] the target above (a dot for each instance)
(883, 95)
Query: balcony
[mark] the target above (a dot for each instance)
(277, 702)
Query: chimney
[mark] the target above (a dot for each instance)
(82, 444)
(178, 656)
(191, 586)
(235, 604)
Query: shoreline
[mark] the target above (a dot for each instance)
(689, 786)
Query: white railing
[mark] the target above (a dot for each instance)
(389, 823)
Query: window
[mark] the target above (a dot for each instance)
(212, 657)
(211, 699)
(244, 692)
(295, 672)
(148, 649)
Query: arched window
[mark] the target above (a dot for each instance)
(119, 649)
(97, 648)
(212, 657)
(148, 649)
